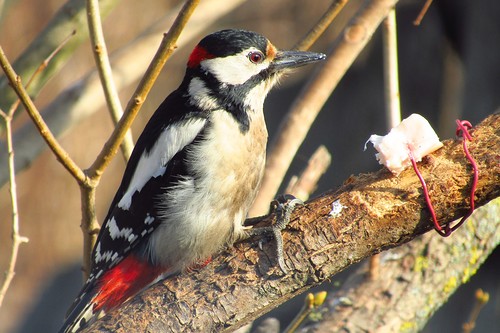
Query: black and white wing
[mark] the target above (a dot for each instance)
(156, 162)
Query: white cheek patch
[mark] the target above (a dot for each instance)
(235, 69)
(199, 95)
(153, 164)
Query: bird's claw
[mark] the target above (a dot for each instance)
(283, 207)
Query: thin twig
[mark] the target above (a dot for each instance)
(391, 72)
(47, 60)
(311, 303)
(164, 52)
(309, 102)
(70, 17)
(422, 13)
(302, 186)
(17, 239)
(105, 73)
(374, 267)
(40, 69)
(90, 226)
(319, 28)
(480, 300)
(61, 154)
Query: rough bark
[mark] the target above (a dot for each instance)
(415, 280)
(379, 212)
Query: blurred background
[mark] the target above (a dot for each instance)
(449, 68)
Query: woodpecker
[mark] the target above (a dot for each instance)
(193, 174)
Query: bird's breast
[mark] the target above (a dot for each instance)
(231, 161)
(230, 164)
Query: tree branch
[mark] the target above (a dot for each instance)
(379, 211)
(71, 17)
(8, 117)
(103, 66)
(17, 239)
(391, 71)
(304, 185)
(57, 149)
(324, 22)
(429, 266)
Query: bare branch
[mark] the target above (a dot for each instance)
(43, 66)
(90, 226)
(71, 17)
(312, 36)
(309, 102)
(480, 300)
(164, 52)
(17, 239)
(391, 90)
(422, 13)
(312, 302)
(303, 186)
(379, 211)
(391, 72)
(105, 74)
(61, 154)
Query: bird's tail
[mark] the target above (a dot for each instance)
(82, 312)
(109, 291)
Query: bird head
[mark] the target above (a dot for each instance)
(237, 57)
(235, 69)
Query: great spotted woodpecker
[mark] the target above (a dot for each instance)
(193, 174)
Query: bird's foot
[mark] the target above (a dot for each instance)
(283, 207)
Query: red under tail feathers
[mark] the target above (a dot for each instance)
(124, 281)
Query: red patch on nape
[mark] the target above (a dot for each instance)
(198, 55)
(124, 281)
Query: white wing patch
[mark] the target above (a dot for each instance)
(115, 232)
(149, 219)
(153, 164)
(106, 256)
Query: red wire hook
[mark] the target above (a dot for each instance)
(461, 131)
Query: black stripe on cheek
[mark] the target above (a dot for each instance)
(231, 97)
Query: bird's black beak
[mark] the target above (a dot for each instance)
(291, 59)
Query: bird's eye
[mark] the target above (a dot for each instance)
(256, 57)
